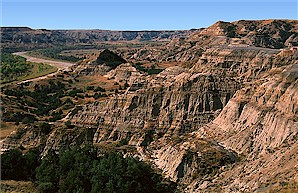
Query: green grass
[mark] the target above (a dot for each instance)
(16, 68)
(38, 70)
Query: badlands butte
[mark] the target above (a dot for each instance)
(213, 109)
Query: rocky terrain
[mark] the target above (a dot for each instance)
(274, 34)
(224, 120)
(28, 38)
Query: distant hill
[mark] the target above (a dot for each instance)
(15, 29)
(38, 37)
(262, 33)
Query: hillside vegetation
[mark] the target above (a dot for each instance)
(16, 68)
(13, 67)
(54, 53)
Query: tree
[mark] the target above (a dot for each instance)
(32, 161)
(16, 166)
(47, 175)
(45, 128)
(27, 120)
(68, 124)
(12, 165)
(126, 85)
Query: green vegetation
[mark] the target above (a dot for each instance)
(16, 166)
(16, 68)
(13, 67)
(48, 101)
(45, 128)
(100, 89)
(81, 170)
(150, 71)
(55, 53)
(43, 100)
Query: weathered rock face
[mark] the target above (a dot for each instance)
(255, 123)
(181, 102)
(125, 72)
(261, 124)
(240, 34)
(58, 138)
(192, 159)
(271, 111)
(62, 138)
(263, 33)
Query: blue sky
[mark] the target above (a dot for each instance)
(139, 15)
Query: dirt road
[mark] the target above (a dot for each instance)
(62, 66)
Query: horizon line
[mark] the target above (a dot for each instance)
(132, 30)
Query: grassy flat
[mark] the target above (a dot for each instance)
(38, 70)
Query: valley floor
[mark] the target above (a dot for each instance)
(62, 66)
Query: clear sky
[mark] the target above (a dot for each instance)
(139, 15)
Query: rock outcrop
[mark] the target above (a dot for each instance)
(174, 107)
(241, 34)
(109, 58)
(105, 62)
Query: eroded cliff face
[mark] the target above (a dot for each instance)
(217, 126)
(175, 100)
(260, 124)
(165, 116)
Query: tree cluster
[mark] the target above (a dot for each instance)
(18, 166)
(82, 170)
(56, 54)
(13, 66)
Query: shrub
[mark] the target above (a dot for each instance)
(100, 89)
(45, 187)
(96, 96)
(90, 88)
(16, 166)
(68, 124)
(45, 128)
(27, 120)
